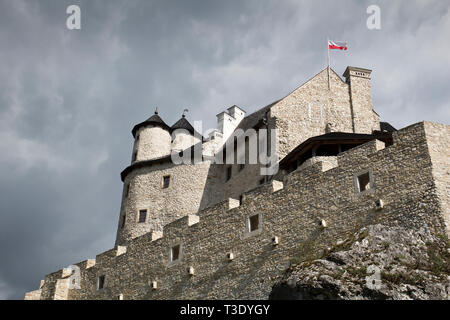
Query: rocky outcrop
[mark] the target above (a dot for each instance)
(378, 262)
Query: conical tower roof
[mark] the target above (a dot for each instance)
(183, 123)
(154, 120)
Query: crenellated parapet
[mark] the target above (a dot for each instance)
(238, 248)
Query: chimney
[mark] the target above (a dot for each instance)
(228, 120)
(364, 119)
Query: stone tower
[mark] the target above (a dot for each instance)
(157, 191)
(151, 139)
(364, 120)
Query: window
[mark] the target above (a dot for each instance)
(142, 215)
(253, 223)
(166, 182)
(122, 224)
(175, 253)
(241, 199)
(229, 172)
(100, 282)
(364, 181)
(127, 190)
(135, 155)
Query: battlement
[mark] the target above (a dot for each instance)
(237, 248)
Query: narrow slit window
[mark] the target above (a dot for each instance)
(253, 223)
(135, 155)
(175, 253)
(127, 191)
(100, 282)
(142, 215)
(124, 218)
(229, 172)
(166, 182)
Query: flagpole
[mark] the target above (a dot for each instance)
(328, 49)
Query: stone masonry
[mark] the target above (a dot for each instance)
(209, 237)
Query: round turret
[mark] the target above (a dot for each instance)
(152, 139)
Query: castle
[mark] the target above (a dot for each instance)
(209, 229)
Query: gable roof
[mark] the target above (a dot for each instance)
(254, 118)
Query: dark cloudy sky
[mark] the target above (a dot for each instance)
(69, 99)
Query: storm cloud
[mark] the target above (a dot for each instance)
(69, 98)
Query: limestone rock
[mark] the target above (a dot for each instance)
(379, 263)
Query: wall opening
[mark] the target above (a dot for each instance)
(253, 223)
(100, 282)
(364, 181)
(228, 173)
(166, 182)
(122, 223)
(175, 253)
(142, 215)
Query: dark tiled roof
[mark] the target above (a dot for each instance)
(155, 120)
(183, 123)
(254, 118)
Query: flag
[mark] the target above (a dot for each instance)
(337, 45)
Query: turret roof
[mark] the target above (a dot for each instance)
(183, 123)
(154, 120)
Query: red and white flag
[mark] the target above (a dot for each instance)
(341, 45)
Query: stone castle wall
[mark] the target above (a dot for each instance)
(310, 110)
(402, 177)
(438, 138)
